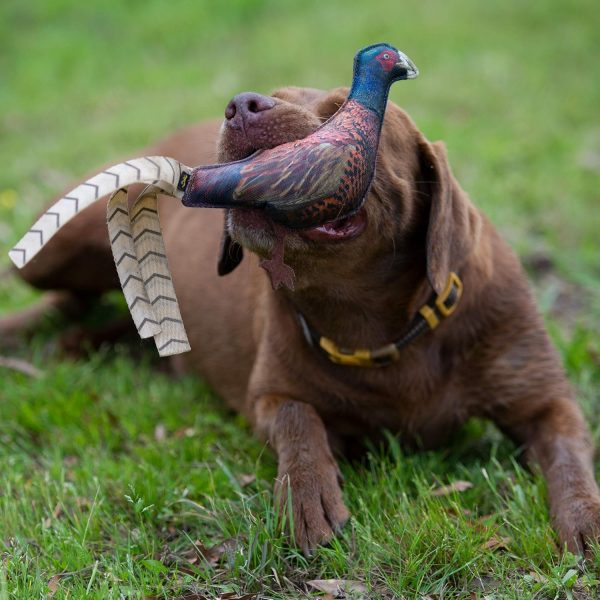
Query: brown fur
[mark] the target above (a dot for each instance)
(491, 359)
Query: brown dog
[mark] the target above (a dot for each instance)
(360, 283)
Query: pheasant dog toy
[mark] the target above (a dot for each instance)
(321, 178)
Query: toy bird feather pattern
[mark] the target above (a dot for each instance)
(329, 175)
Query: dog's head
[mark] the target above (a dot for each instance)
(415, 216)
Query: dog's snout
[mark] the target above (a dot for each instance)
(244, 105)
(255, 122)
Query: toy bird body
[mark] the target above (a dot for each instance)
(322, 177)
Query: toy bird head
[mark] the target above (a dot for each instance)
(376, 67)
(383, 63)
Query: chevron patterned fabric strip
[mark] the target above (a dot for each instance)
(154, 266)
(160, 171)
(128, 268)
(135, 238)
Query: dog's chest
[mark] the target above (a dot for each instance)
(422, 406)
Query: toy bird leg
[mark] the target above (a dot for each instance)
(152, 258)
(128, 268)
(162, 172)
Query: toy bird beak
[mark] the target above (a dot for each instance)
(408, 65)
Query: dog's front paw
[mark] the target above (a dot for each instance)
(317, 506)
(577, 521)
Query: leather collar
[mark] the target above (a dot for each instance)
(428, 317)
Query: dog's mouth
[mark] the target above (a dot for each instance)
(254, 222)
(345, 228)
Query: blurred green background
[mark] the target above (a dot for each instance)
(512, 87)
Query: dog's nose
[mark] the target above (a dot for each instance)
(246, 105)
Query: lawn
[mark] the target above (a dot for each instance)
(119, 482)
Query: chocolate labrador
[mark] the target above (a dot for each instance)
(411, 315)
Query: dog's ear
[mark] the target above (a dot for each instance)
(328, 103)
(231, 253)
(454, 223)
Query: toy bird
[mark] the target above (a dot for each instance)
(320, 178)
(306, 183)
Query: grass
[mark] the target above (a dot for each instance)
(112, 471)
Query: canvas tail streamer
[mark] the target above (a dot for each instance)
(152, 259)
(160, 171)
(136, 241)
(128, 267)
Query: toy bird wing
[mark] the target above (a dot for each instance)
(301, 173)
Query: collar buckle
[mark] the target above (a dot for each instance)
(447, 301)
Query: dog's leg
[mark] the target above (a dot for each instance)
(28, 320)
(555, 437)
(306, 468)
